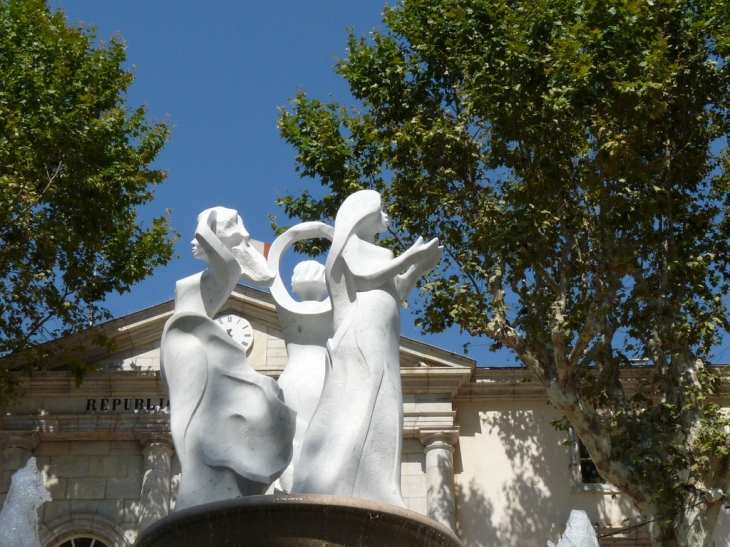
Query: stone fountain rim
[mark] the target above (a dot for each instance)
(284, 503)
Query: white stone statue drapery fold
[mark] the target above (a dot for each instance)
(232, 431)
(353, 444)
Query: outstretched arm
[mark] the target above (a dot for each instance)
(406, 281)
(371, 277)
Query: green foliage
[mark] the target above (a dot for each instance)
(571, 156)
(74, 168)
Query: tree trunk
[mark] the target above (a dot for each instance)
(658, 534)
(695, 525)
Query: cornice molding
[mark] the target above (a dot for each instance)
(154, 427)
(500, 383)
(512, 383)
(91, 427)
(442, 380)
(423, 379)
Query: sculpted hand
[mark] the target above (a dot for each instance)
(434, 258)
(426, 252)
(425, 257)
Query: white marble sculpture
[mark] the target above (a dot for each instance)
(307, 325)
(19, 517)
(231, 429)
(579, 532)
(353, 444)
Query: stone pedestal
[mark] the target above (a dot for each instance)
(155, 495)
(297, 521)
(439, 450)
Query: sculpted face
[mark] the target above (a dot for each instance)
(378, 223)
(384, 221)
(198, 251)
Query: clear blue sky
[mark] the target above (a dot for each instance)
(220, 70)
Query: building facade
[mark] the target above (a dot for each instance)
(479, 452)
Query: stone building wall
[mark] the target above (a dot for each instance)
(102, 481)
(100, 478)
(105, 451)
(413, 476)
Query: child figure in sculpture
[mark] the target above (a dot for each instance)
(306, 338)
(306, 325)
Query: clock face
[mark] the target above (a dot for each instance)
(237, 328)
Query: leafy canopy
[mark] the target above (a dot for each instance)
(74, 168)
(571, 155)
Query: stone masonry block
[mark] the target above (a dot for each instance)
(54, 510)
(90, 448)
(112, 510)
(274, 361)
(52, 449)
(86, 489)
(131, 511)
(125, 447)
(69, 466)
(417, 504)
(413, 487)
(412, 447)
(413, 468)
(57, 487)
(108, 466)
(135, 466)
(90, 507)
(413, 458)
(124, 488)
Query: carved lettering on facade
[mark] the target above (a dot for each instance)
(148, 404)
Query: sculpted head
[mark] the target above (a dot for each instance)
(308, 281)
(228, 226)
(361, 213)
(359, 208)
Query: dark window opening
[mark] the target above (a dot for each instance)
(588, 472)
(83, 542)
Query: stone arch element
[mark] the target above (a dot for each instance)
(72, 526)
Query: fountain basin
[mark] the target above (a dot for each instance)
(297, 521)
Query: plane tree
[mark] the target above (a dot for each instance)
(571, 155)
(75, 166)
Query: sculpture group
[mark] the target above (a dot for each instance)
(333, 423)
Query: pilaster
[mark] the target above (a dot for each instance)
(17, 448)
(155, 495)
(439, 449)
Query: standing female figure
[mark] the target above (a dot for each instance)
(353, 444)
(232, 432)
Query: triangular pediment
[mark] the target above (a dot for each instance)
(424, 369)
(137, 339)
